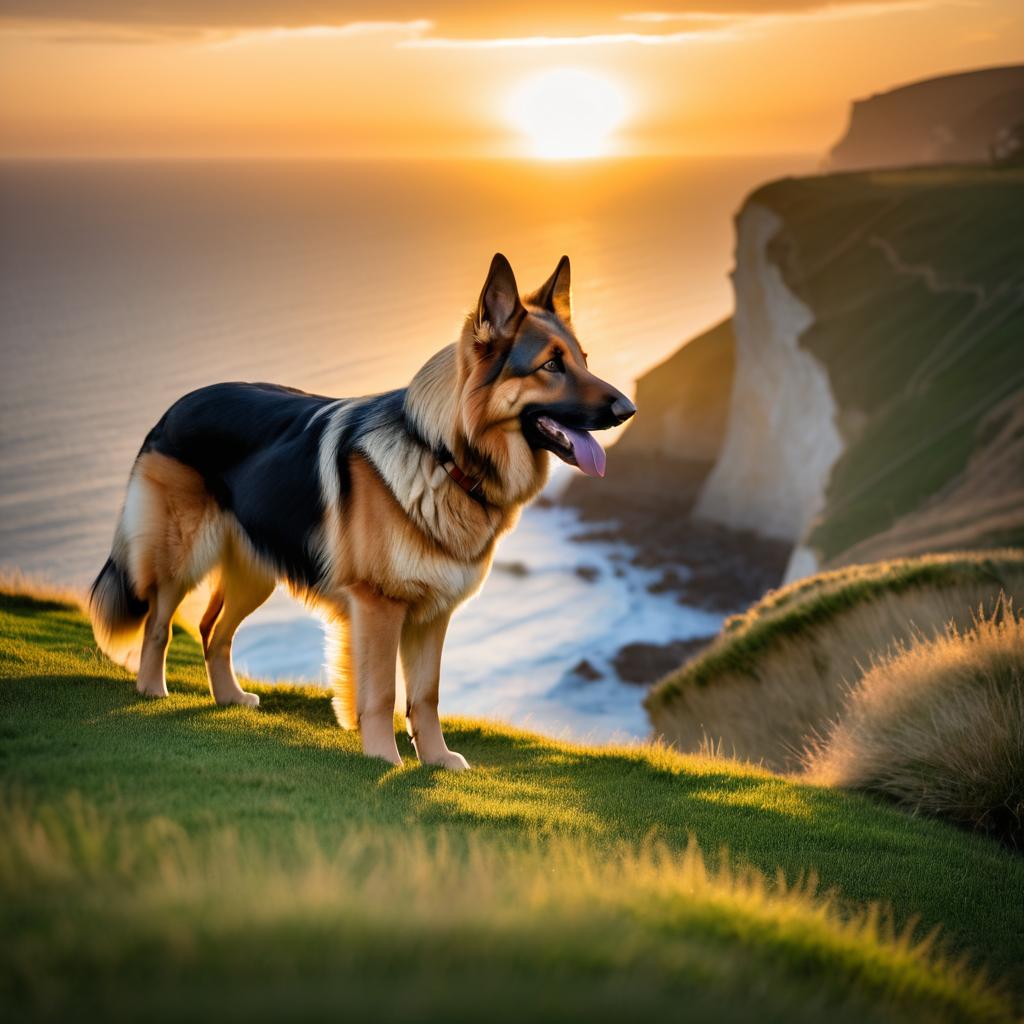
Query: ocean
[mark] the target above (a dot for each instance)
(123, 285)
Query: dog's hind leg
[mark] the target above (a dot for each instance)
(156, 637)
(421, 662)
(242, 589)
(376, 626)
(163, 539)
(213, 609)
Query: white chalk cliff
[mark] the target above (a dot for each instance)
(781, 441)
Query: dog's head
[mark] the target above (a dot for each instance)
(527, 385)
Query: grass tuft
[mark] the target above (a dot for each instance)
(37, 591)
(937, 726)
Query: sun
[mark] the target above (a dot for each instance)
(568, 113)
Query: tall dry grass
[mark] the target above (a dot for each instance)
(778, 676)
(18, 584)
(937, 726)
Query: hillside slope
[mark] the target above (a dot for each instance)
(663, 458)
(163, 858)
(980, 505)
(686, 406)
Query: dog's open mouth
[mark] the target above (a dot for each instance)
(577, 447)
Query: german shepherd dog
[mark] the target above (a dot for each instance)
(382, 512)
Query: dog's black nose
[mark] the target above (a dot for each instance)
(623, 408)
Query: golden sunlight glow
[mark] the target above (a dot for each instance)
(568, 113)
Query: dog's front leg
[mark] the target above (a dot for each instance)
(421, 663)
(376, 626)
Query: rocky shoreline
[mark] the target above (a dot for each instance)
(648, 504)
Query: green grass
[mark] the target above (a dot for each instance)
(931, 361)
(171, 858)
(795, 610)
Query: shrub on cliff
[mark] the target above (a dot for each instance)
(937, 726)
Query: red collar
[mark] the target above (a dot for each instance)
(470, 484)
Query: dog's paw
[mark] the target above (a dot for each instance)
(151, 690)
(243, 699)
(453, 761)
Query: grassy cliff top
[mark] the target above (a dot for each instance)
(793, 611)
(171, 857)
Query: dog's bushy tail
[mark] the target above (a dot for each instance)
(339, 671)
(118, 615)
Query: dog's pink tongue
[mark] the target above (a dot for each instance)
(590, 456)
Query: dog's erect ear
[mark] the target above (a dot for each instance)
(499, 310)
(555, 294)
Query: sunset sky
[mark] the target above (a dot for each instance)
(384, 78)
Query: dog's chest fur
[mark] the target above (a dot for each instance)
(406, 528)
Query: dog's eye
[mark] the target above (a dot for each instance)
(553, 366)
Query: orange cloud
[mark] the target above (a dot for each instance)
(437, 22)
